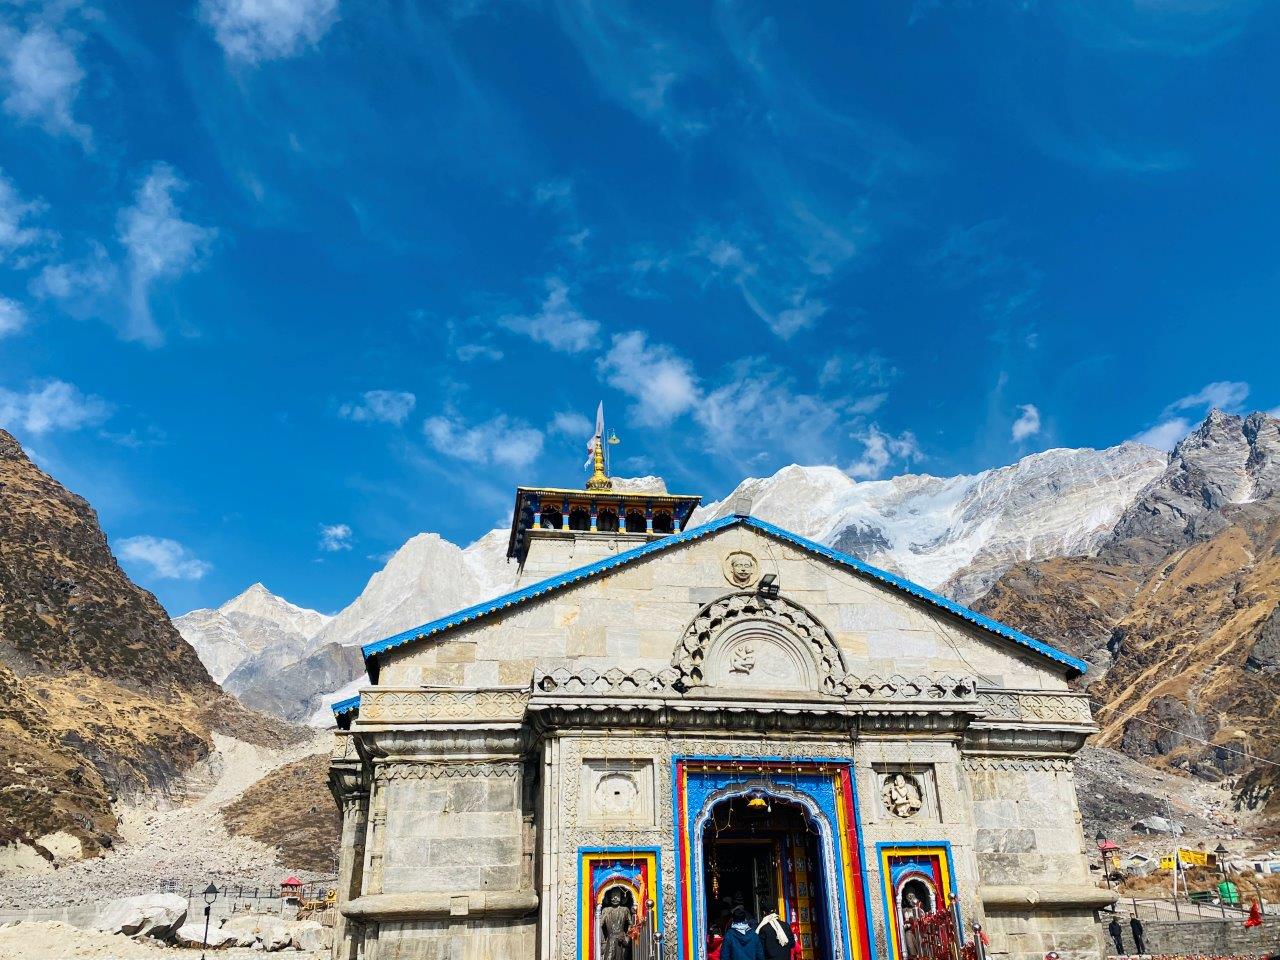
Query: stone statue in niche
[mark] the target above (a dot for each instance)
(741, 569)
(616, 921)
(744, 659)
(902, 795)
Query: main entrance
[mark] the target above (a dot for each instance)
(761, 853)
(771, 834)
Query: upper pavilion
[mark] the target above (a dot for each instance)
(554, 529)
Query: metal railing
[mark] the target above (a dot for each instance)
(1154, 908)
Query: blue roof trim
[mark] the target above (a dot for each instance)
(993, 626)
(545, 586)
(666, 543)
(345, 706)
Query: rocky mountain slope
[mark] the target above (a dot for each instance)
(1178, 611)
(958, 534)
(253, 624)
(99, 695)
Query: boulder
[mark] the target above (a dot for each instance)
(311, 935)
(192, 935)
(258, 931)
(1158, 825)
(150, 915)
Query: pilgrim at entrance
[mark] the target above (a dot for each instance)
(761, 852)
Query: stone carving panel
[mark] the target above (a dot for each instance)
(902, 795)
(618, 793)
(786, 640)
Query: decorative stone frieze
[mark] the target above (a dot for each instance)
(448, 770)
(1036, 706)
(412, 706)
(1017, 763)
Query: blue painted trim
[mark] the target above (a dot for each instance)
(915, 590)
(345, 706)
(622, 852)
(545, 586)
(884, 898)
(666, 543)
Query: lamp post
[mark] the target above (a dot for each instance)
(1101, 840)
(210, 895)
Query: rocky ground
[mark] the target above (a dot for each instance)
(57, 941)
(186, 844)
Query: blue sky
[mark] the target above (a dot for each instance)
(284, 284)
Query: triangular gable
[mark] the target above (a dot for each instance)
(1074, 666)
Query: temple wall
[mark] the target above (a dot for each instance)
(635, 616)
(1029, 844)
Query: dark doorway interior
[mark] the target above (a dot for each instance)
(762, 852)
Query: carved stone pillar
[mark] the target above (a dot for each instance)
(350, 790)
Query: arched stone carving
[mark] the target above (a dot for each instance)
(746, 640)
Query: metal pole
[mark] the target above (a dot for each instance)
(205, 942)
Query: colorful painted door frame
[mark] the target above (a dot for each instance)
(900, 862)
(824, 789)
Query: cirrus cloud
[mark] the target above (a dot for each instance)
(162, 558)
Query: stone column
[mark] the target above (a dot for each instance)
(449, 831)
(350, 790)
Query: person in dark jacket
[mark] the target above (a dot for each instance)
(741, 942)
(1113, 928)
(776, 937)
(1139, 935)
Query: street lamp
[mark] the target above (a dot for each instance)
(1105, 847)
(210, 895)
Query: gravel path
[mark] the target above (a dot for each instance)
(186, 845)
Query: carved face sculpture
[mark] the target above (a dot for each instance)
(615, 898)
(740, 569)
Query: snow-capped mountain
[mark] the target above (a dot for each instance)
(957, 534)
(952, 534)
(246, 626)
(426, 578)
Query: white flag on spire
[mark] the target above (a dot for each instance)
(594, 443)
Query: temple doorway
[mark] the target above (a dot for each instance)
(762, 852)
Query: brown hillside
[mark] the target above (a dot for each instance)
(1178, 614)
(291, 809)
(99, 695)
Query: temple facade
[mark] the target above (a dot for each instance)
(663, 722)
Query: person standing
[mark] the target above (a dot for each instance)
(741, 942)
(775, 937)
(1138, 933)
(1113, 928)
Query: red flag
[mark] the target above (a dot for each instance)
(1255, 916)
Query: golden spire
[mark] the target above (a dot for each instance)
(599, 479)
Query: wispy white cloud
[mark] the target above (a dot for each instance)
(50, 406)
(979, 257)
(571, 424)
(335, 537)
(384, 406)
(557, 322)
(880, 450)
(1028, 423)
(500, 440)
(1165, 434)
(41, 77)
(162, 558)
(251, 31)
(18, 236)
(1226, 395)
(661, 381)
(758, 414)
(79, 285)
(13, 317)
(633, 62)
(159, 245)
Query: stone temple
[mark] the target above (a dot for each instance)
(663, 721)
